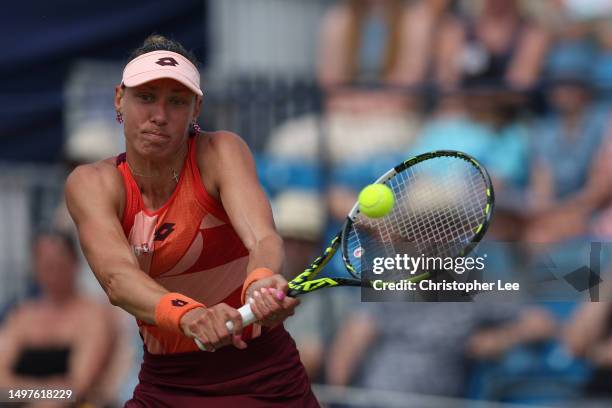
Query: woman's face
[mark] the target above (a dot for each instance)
(156, 116)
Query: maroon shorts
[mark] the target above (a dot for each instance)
(267, 373)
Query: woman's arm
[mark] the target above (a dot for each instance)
(93, 196)
(245, 201)
(235, 179)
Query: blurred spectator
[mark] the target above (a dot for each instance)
(486, 124)
(488, 127)
(567, 147)
(573, 48)
(498, 44)
(61, 340)
(423, 347)
(379, 45)
(600, 187)
(366, 43)
(381, 41)
(365, 46)
(362, 41)
(589, 335)
(582, 38)
(543, 373)
(602, 71)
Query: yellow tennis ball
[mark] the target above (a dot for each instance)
(376, 200)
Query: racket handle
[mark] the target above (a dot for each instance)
(248, 318)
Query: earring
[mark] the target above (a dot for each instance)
(196, 128)
(119, 117)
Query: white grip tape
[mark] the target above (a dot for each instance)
(248, 318)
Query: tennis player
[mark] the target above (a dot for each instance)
(179, 233)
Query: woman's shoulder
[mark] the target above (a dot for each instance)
(103, 170)
(219, 142)
(219, 136)
(217, 154)
(100, 179)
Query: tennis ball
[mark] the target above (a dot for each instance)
(376, 200)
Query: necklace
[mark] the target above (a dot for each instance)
(175, 175)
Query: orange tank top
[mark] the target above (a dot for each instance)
(188, 246)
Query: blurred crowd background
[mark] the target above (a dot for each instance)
(328, 94)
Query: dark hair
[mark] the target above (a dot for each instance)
(156, 42)
(65, 237)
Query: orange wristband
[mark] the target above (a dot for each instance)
(171, 307)
(255, 275)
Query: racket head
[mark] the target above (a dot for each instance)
(443, 205)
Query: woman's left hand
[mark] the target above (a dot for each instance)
(269, 301)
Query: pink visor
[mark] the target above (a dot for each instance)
(162, 64)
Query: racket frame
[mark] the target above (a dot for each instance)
(307, 281)
(479, 233)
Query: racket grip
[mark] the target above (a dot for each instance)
(248, 318)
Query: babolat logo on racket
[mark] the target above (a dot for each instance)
(317, 284)
(358, 252)
(178, 303)
(167, 61)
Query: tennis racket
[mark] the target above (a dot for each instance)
(443, 205)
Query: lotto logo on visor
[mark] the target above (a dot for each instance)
(162, 64)
(167, 61)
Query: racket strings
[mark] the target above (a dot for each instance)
(423, 217)
(439, 207)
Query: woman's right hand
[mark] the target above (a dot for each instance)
(209, 326)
